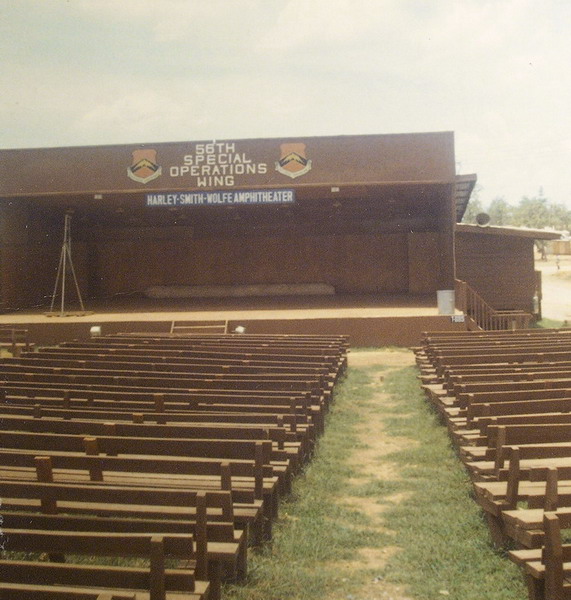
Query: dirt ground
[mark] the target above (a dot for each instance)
(556, 284)
(372, 446)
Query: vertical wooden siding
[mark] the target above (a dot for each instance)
(352, 263)
(499, 267)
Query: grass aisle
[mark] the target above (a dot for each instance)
(384, 510)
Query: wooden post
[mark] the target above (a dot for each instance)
(201, 537)
(513, 480)
(157, 574)
(225, 476)
(66, 404)
(500, 443)
(45, 474)
(160, 408)
(553, 557)
(551, 490)
(91, 448)
(259, 471)
(110, 431)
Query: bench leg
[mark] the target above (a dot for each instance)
(239, 571)
(497, 531)
(214, 577)
(267, 528)
(256, 533)
(535, 588)
(242, 567)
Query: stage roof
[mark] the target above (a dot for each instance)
(321, 163)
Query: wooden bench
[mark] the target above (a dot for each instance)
(156, 582)
(499, 436)
(278, 435)
(296, 445)
(145, 363)
(14, 339)
(216, 532)
(140, 369)
(124, 434)
(240, 346)
(500, 358)
(477, 433)
(251, 511)
(156, 382)
(529, 373)
(477, 372)
(181, 356)
(526, 527)
(294, 342)
(136, 400)
(29, 591)
(536, 487)
(252, 484)
(138, 502)
(281, 427)
(294, 422)
(242, 478)
(547, 570)
(530, 455)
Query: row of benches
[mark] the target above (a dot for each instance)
(506, 400)
(15, 339)
(153, 446)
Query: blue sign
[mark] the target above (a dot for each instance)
(222, 198)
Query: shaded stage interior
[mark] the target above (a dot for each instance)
(255, 306)
(384, 271)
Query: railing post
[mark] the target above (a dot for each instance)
(486, 317)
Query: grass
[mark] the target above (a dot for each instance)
(546, 323)
(444, 541)
(439, 545)
(315, 531)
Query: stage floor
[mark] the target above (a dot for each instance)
(210, 309)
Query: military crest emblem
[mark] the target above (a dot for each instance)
(144, 167)
(293, 161)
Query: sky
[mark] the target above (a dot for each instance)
(496, 72)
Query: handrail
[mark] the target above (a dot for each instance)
(483, 315)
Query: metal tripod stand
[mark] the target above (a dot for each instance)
(65, 262)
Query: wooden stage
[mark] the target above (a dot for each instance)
(372, 320)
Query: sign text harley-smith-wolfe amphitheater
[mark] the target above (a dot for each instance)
(222, 198)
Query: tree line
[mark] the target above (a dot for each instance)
(536, 212)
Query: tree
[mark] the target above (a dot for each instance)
(532, 212)
(501, 213)
(560, 217)
(474, 206)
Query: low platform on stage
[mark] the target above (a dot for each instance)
(371, 320)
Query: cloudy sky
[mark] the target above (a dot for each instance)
(496, 72)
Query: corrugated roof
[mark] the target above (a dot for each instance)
(536, 234)
(464, 186)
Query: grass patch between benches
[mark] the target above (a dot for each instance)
(445, 543)
(435, 540)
